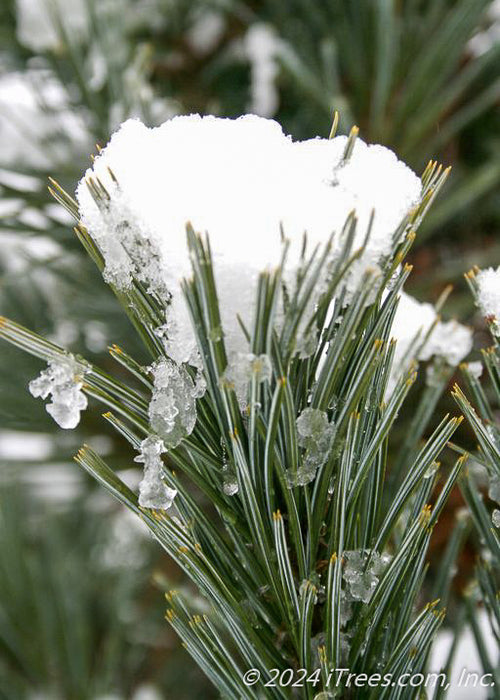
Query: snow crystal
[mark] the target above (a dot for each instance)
(412, 323)
(153, 492)
(488, 290)
(494, 488)
(495, 517)
(240, 180)
(361, 580)
(172, 409)
(315, 436)
(62, 381)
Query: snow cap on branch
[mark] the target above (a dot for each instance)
(420, 335)
(240, 180)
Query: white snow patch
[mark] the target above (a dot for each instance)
(488, 286)
(240, 180)
(475, 369)
(412, 322)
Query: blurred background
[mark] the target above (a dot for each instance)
(81, 585)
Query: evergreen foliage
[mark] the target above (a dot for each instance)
(294, 573)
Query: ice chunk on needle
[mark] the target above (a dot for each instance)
(62, 381)
(153, 492)
(315, 435)
(172, 409)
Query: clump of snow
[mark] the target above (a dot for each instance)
(240, 180)
(200, 385)
(449, 340)
(475, 369)
(315, 436)
(488, 294)
(495, 517)
(63, 382)
(362, 580)
(420, 335)
(153, 492)
(172, 409)
(127, 253)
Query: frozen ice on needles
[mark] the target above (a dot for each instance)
(153, 492)
(63, 382)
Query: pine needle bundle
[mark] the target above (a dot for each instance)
(264, 420)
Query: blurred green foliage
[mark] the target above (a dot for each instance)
(79, 616)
